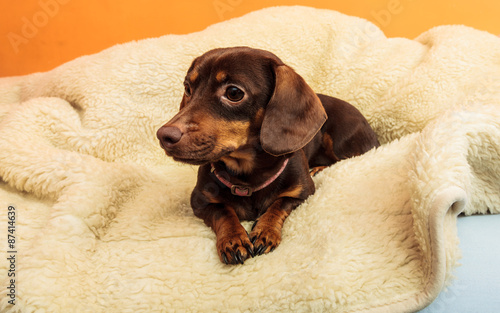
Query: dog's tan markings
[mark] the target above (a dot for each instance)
(316, 170)
(210, 197)
(266, 233)
(233, 244)
(259, 117)
(221, 76)
(240, 161)
(232, 133)
(328, 146)
(293, 192)
(193, 75)
(231, 163)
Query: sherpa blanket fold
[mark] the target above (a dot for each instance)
(102, 221)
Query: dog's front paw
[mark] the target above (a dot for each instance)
(235, 248)
(264, 238)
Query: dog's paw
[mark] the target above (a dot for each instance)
(264, 238)
(234, 248)
(315, 170)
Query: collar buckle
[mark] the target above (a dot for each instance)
(241, 191)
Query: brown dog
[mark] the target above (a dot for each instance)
(256, 128)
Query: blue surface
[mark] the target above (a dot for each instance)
(477, 284)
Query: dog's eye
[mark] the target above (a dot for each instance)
(187, 90)
(234, 94)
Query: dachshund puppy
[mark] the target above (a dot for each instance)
(256, 129)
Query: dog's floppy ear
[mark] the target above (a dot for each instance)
(293, 115)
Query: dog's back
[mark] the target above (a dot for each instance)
(345, 134)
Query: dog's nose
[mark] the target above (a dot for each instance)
(168, 135)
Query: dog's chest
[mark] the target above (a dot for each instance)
(250, 208)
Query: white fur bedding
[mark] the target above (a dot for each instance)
(102, 217)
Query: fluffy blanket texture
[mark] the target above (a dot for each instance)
(102, 216)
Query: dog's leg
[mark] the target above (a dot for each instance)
(266, 232)
(233, 244)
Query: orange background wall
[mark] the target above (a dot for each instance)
(38, 35)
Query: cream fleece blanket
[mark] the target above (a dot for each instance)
(102, 217)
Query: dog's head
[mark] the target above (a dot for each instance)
(237, 101)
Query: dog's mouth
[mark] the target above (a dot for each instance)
(191, 161)
(201, 157)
